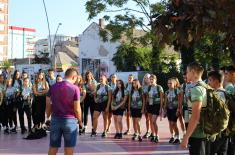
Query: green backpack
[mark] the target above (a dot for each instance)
(214, 117)
(230, 99)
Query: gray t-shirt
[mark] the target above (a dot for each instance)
(136, 99)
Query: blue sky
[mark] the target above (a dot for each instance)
(30, 14)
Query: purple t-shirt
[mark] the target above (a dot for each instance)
(63, 94)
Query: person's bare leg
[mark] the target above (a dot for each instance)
(52, 151)
(68, 150)
(105, 119)
(95, 120)
(109, 120)
(116, 123)
(120, 123)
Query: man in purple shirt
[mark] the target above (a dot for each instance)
(63, 105)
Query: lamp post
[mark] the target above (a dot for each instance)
(53, 44)
(48, 25)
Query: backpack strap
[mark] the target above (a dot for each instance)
(149, 88)
(106, 88)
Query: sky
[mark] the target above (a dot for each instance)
(31, 14)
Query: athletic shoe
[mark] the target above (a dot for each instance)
(104, 134)
(82, 131)
(153, 138)
(23, 131)
(140, 138)
(127, 132)
(147, 135)
(116, 136)
(13, 130)
(120, 136)
(156, 139)
(135, 137)
(93, 134)
(171, 140)
(6, 131)
(176, 141)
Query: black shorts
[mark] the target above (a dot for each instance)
(118, 112)
(171, 115)
(100, 107)
(136, 113)
(153, 109)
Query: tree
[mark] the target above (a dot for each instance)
(129, 15)
(185, 22)
(207, 49)
(129, 58)
(6, 64)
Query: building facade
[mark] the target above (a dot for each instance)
(21, 42)
(3, 30)
(42, 48)
(96, 55)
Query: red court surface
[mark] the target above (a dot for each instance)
(14, 144)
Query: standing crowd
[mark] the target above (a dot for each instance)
(124, 102)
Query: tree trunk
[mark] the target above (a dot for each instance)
(187, 56)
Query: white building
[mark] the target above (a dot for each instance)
(96, 55)
(41, 47)
(21, 42)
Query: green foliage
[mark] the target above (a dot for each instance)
(123, 19)
(185, 23)
(7, 64)
(128, 58)
(211, 51)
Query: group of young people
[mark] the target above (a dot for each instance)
(180, 102)
(19, 94)
(114, 99)
(133, 99)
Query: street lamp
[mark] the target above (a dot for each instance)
(53, 44)
(48, 25)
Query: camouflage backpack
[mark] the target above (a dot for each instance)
(214, 117)
(230, 99)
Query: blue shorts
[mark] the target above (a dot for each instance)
(66, 127)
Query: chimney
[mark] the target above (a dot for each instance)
(101, 23)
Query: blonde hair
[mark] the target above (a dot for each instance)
(173, 81)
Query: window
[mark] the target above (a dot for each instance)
(1, 6)
(1, 49)
(2, 27)
(2, 17)
(2, 38)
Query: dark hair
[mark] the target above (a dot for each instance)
(197, 67)
(24, 72)
(14, 78)
(216, 75)
(69, 72)
(230, 69)
(50, 70)
(88, 72)
(223, 68)
(1, 75)
(117, 89)
(58, 76)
